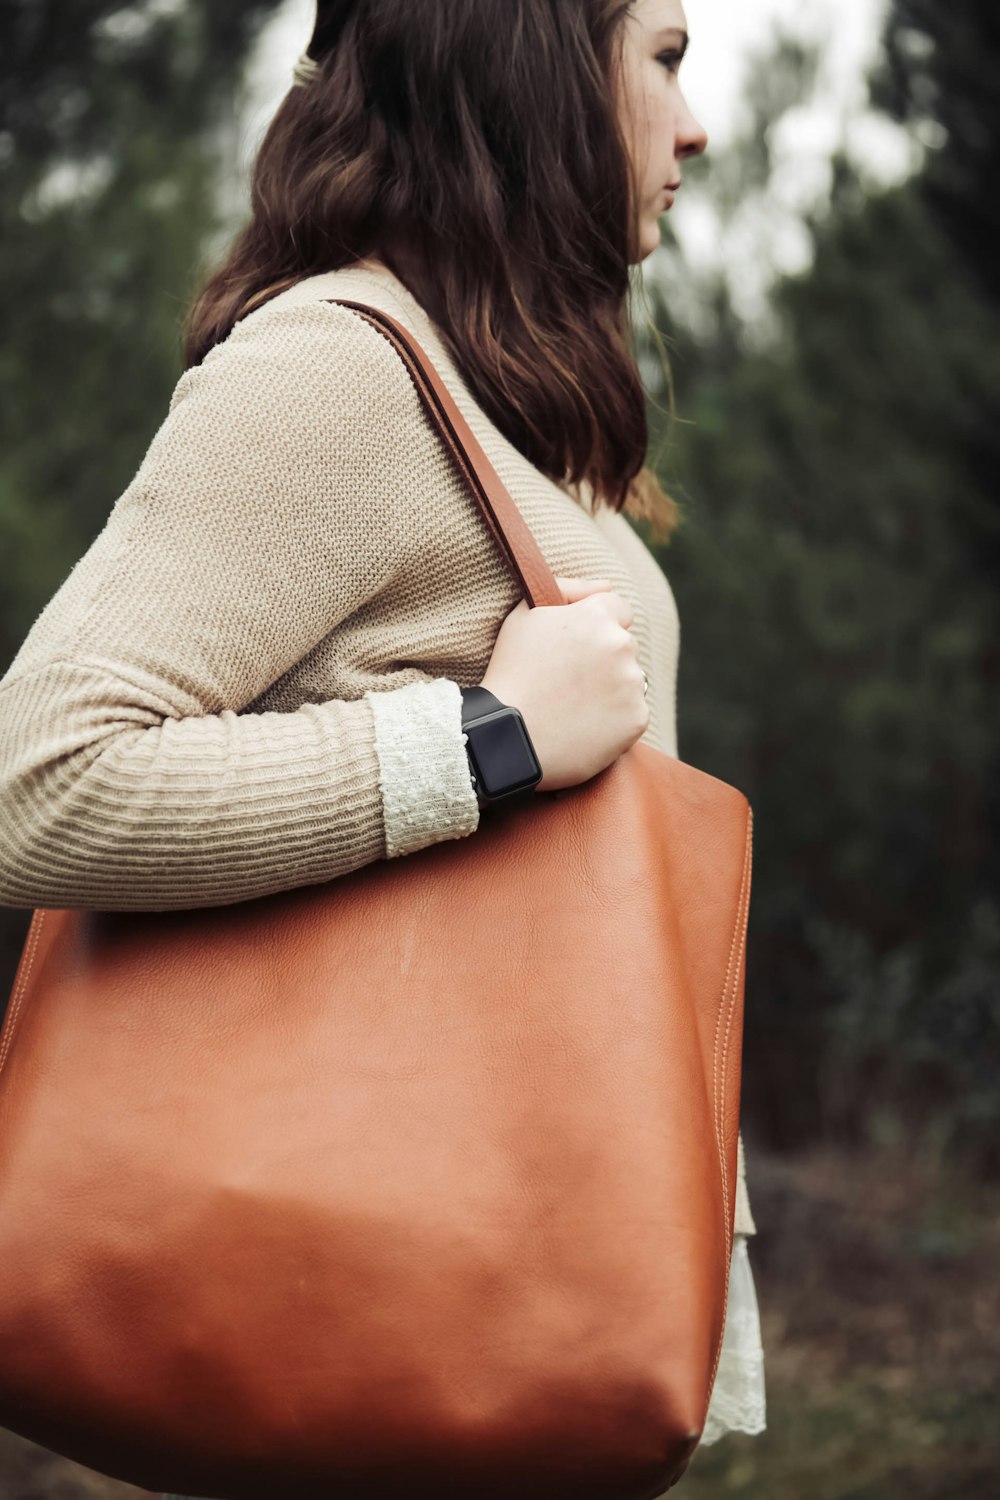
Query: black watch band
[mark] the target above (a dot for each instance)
(477, 701)
(502, 759)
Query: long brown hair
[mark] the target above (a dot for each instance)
(474, 147)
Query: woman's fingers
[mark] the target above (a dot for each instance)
(573, 589)
(576, 589)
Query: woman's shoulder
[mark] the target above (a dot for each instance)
(313, 308)
(303, 345)
(367, 282)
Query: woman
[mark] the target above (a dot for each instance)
(252, 680)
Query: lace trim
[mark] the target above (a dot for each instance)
(738, 1401)
(427, 792)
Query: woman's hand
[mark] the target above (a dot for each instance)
(573, 671)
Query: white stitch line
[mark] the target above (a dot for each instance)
(715, 1051)
(717, 1093)
(725, 1302)
(736, 985)
(20, 989)
(725, 989)
(725, 1176)
(718, 1131)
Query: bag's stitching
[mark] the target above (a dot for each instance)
(21, 987)
(741, 904)
(729, 1241)
(715, 1048)
(742, 930)
(718, 1090)
(736, 984)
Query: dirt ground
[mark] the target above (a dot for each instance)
(880, 1305)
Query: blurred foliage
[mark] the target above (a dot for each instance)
(110, 121)
(938, 73)
(836, 578)
(107, 194)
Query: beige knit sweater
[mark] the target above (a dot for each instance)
(251, 680)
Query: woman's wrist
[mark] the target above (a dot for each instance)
(502, 759)
(426, 792)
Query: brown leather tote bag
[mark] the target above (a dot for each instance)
(420, 1182)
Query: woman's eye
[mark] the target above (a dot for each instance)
(670, 60)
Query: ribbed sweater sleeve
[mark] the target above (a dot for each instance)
(132, 774)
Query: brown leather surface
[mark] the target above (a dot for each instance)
(419, 1182)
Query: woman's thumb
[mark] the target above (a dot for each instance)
(573, 589)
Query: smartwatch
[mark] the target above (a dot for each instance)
(502, 759)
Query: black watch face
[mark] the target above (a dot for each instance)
(505, 761)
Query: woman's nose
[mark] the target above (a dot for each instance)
(692, 137)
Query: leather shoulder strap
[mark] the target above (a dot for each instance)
(508, 527)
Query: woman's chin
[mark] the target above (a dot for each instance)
(649, 238)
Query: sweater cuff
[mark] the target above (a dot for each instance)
(427, 791)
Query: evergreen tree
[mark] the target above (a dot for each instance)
(839, 661)
(110, 119)
(939, 73)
